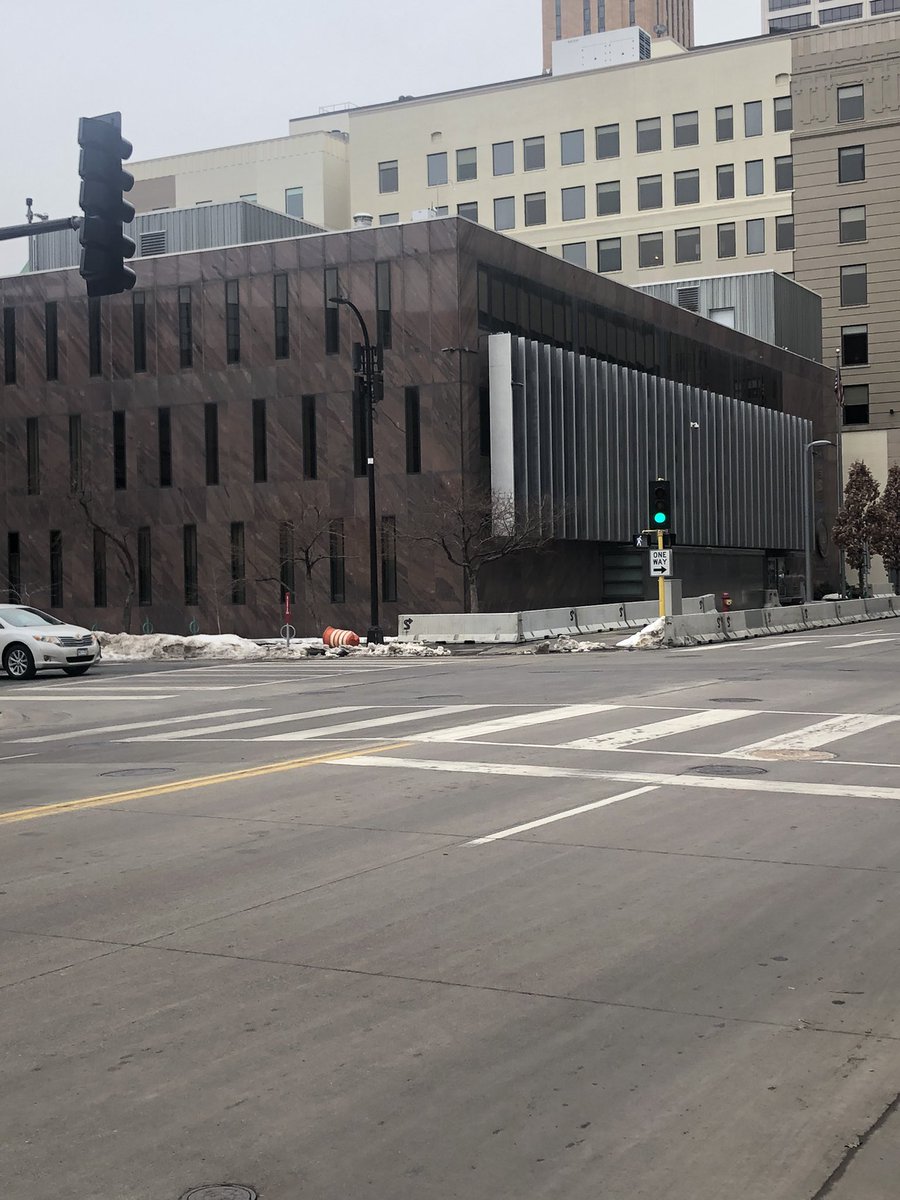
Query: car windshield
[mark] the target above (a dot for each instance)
(24, 618)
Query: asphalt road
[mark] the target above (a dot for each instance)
(589, 927)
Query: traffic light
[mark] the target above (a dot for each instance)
(103, 180)
(660, 504)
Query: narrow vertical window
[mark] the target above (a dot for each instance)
(232, 321)
(56, 569)
(238, 564)
(164, 432)
(484, 422)
(336, 561)
(51, 340)
(145, 566)
(191, 581)
(388, 559)
(76, 472)
(185, 328)
(332, 311)
(95, 342)
(282, 327)
(120, 459)
(309, 433)
(9, 345)
(99, 569)
(286, 560)
(383, 304)
(413, 432)
(33, 454)
(211, 443)
(139, 330)
(293, 201)
(13, 568)
(260, 443)
(360, 439)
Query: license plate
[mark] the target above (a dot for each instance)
(82, 654)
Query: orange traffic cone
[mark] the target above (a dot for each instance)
(340, 637)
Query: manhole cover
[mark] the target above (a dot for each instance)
(221, 1191)
(735, 700)
(140, 771)
(716, 769)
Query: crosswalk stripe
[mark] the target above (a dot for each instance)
(302, 735)
(653, 730)
(812, 737)
(180, 734)
(461, 733)
(863, 642)
(95, 729)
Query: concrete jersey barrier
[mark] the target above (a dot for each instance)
(689, 630)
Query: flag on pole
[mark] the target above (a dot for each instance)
(838, 385)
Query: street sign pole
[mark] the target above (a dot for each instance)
(661, 581)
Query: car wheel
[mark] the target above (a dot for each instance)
(81, 669)
(18, 662)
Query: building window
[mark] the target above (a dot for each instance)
(846, 12)
(13, 568)
(144, 566)
(139, 330)
(260, 442)
(33, 455)
(413, 432)
(601, 16)
(211, 443)
(332, 311)
(164, 433)
(853, 224)
(441, 210)
(558, 19)
(95, 346)
(309, 435)
(469, 211)
(880, 7)
(282, 317)
(754, 177)
(856, 404)
(649, 135)
(723, 316)
(250, 198)
(756, 236)
(650, 250)
(609, 198)
(851, 104)
(687, 187)
(631, 13)
(51, 340)
(384, 326)
(687, 245)
(575, 253)
(725, 181)
(784, 232)
(753, 118)
(76, 472)
(388, 177)
(185, 328)
(504, 156)
(389, 559)
(854, 285)
(586, 17)
(791, 24)
(389, 219)
(724, 123)
(784, 114)
(232, 321)
(607, 139)
(191, 577)
(536, 208)
(686, 128)
(505, 213)
(534, 154)
(650, 192)
(437, 169)
(238, 564)
(466, 164)
(336, 561)
(120, 455)
(609, 255)
(852, 164)
(99, 569)
(573, 204)
(293, 201)
(360, 428)
(855, 345)
(571, 147)
(784, 173)
(9, 345)
(286, 560)
(56, 569)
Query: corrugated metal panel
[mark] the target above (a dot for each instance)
(588, 436)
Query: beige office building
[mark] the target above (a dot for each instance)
(576, 18)
(793, 16)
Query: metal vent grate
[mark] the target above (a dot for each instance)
(689, 298)
(153, 242)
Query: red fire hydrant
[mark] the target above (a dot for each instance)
(727, 602)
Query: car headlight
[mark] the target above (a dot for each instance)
(46, 637)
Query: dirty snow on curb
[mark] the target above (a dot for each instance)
(648, 638)
(143, 647)
(565, 645)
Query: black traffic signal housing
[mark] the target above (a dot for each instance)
(661, 515)
(104, 247)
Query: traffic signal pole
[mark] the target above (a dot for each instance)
(661, 581)
(8, 232)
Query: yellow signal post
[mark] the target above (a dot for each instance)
(661, 581)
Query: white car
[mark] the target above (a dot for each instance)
(32, 641)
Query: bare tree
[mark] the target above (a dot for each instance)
(474, 526)
(119, 541)
(886, 538)
(304, 541)
(855, 527)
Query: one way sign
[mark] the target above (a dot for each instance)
(661, 562)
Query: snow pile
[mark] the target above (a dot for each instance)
(390, 649)
(129, 647)
(566, 645)
(648, 638)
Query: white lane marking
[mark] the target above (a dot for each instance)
(779, 645)
(66, 697)
(560, 816)
(302, 735)
(461, 733)
(95, 729)
(840, 791)
(862, 642)
(812, 737)
(10, 757)
(180, 734)
(621, 738)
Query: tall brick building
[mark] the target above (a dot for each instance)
(575, 18)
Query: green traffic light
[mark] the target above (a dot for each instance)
(659, 518)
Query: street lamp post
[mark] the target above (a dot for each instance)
(375, 634)
(808, 509)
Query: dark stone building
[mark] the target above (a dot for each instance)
(199, 435)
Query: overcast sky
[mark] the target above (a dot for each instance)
(190, 74)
